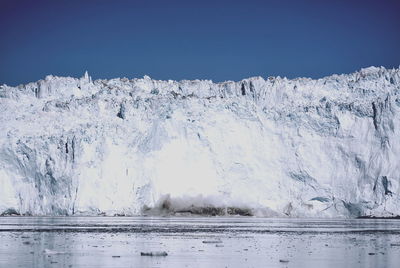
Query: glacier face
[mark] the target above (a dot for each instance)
(270, 147)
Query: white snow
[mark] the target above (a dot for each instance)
(276, 147)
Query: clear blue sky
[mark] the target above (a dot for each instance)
(218, 40)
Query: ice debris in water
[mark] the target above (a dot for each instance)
(52, 252)
(212, 241)
(154, 253)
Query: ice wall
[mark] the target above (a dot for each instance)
(269, 147)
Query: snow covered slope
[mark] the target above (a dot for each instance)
(269, 147)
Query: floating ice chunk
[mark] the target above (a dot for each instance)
(154, 254)
(212, 241)
(52, 252)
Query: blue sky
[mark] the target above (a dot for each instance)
(217, 40)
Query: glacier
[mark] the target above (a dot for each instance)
(273, 146)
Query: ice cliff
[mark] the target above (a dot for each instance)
(269, 147)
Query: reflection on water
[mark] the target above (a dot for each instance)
(246, 242)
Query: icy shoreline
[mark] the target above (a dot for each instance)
(265, 147)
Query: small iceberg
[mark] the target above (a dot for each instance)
(154, 254)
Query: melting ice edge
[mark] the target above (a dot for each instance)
(265, 147)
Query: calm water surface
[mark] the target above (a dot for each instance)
(197, 242)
